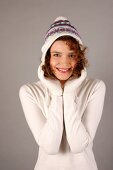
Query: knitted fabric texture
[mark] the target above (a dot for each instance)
(60, 27)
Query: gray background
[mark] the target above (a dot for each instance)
(23, 24)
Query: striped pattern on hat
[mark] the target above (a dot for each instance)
(61, 24)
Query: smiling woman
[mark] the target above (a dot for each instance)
(64, 107)
(62, 60)
(65, 49)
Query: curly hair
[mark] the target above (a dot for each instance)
(82, 61)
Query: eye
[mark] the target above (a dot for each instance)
(56, 55)
(73, 56)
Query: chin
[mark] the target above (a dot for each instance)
(63, 78)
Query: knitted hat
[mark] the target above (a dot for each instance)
(60, 27)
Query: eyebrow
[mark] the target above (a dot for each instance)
(70, 52)
(55, 52)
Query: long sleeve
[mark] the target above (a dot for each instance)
(46, 131)
(80, 130)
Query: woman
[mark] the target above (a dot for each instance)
(63, 109)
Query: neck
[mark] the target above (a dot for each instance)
(62, 82)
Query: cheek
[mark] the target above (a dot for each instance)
(73, 64)
(53, 62)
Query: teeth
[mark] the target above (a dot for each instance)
(63, 70)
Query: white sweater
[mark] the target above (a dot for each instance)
(64, 122)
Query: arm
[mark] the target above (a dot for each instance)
(81, 131)
(47, 132)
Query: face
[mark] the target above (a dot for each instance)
(62, 61)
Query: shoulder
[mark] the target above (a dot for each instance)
(34, 89)
(94, 87)
(94, 83)
(90, 86)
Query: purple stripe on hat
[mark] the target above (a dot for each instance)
(61, 29)
(65, 27)
(62, 25)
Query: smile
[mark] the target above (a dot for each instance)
(63, 70)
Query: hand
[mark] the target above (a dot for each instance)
(53, 86)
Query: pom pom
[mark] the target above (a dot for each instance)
(60, 18)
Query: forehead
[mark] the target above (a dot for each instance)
(63, 46)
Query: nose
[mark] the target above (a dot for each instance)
(65, 60)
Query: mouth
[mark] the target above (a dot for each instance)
(63, 70)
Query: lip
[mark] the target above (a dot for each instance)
(63, 70)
